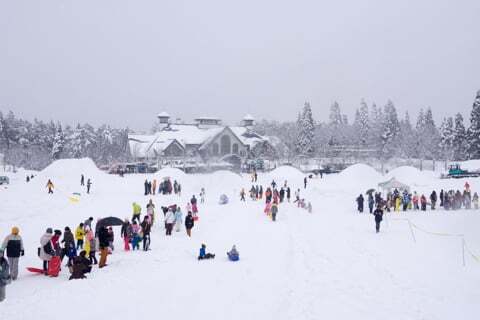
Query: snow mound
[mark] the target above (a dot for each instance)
(411, 175)
(173, 173)
(67, 168)
(360, 173)
(286, 173)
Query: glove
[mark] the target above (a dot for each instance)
(22, 252)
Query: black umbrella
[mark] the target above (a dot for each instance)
(369, 191)
(109, 221)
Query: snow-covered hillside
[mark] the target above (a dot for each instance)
(326, 265)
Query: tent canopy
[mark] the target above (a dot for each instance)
(393, 184)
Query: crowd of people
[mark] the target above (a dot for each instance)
(164, 187)
(403, 200)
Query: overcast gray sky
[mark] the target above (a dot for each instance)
(122, 62)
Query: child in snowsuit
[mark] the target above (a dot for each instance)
(189, 223)
(233, 255)
(92, 244)
(135, 236)
(204, 255)
(79, 235)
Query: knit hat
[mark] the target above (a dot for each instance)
(49, 230)
(15, 230)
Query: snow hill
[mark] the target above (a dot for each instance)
(326, 265)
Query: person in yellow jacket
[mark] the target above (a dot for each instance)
(397, 204)
(86, 247)
(137, 210)
(79, 236)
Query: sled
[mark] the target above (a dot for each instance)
(35, 270)
(233, 257)
(54, 267)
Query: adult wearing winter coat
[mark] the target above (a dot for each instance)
(178, 219)
(423, 202)
(415, 201)
(371, 202)
(433, 199)
(88, 223)
(103, 238)
(189, 223)
(193, 201)
(13, 244)
(378, 213)
(79, 236)
(169, 220)
(137, 211)
(81, 265)
(126, 233)
(146, 228)
(289, 192)
(68, 245)
(360, 203)
(46, 249)
(475, 201)
(4, 276)
(89, 185)
(50, 186)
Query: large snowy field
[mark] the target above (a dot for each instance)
(326, 265)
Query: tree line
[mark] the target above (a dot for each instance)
(34, 145)
(380, 133)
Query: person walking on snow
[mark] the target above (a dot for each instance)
(433, 199)
(137, 211)
(202, 195)
(89, 185)
(423, 202)
(360, 203)
(50, 186)
(82, 180)
(193, 201)
(370, 203)
(242, 195)
(69, 249)
(305, 183)
(92, 242)
(189, 223)
(5, 278)
(13, 244)
(288, 194)
(274, 211)
(475, 201)
(169, 220)
(146, 228)
(378, 213)
(135, 236)
(178, 219)
(79, 235)
(125, 233)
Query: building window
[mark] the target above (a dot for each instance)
(235, 148)
(225, 145)
(215, 149)
(242, 153)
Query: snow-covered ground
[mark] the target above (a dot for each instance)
(326, 265)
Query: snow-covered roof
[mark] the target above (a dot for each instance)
(163, 115)
(208, 118)
(247, 136)
(148, 146)
(248, 117)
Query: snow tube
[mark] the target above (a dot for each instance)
(223, 199)
(233, 257)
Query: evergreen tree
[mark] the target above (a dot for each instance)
(447, 136)
(460, 145)
(306, 132)
(407, 137)
(58, 143)
(362, 125)
(390, 132)
(474, 129)
(431, 136)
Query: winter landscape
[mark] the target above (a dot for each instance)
(254, 160)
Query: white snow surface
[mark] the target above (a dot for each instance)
(326, 265)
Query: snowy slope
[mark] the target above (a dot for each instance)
(329, 264)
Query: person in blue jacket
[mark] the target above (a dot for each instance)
(203, 253)
(233, 254)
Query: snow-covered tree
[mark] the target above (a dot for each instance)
(361, 125)
(474, 129)
(447, 136)
(407, 137)
(460, 139)
(306, 132)
(390, 132)
(58, 142)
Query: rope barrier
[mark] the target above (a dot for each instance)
(441, 234)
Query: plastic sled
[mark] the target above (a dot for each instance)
(35, 270)
(54, 267)
(233, 257)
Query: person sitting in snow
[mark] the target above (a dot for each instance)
(204, 255)
(81, 265)
(233, 254)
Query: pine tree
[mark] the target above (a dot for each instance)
(431, 136)
(460, 144)
(306, 132)
(390, 132)
(362, 124)
(446, 138)
(474, 130)
(407, 137)
(58, 142)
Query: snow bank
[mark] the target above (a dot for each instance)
(66, 168)
(412, 176)
(286, 173)
(360, 172)
(173, 173)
